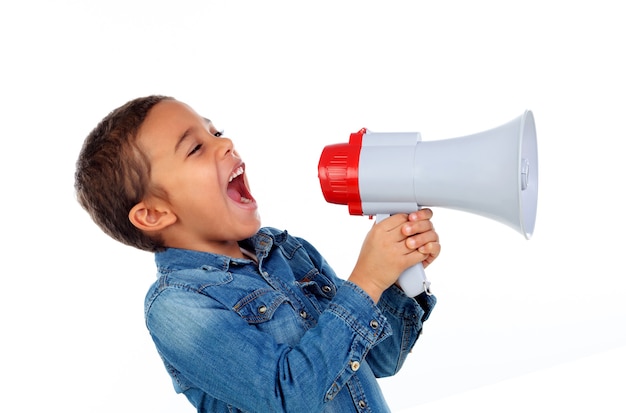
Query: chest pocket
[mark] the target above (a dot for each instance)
(271, 312)
(319, 289)
(259, 306)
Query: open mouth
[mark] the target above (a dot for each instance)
(237, 189)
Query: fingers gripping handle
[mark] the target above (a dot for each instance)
(413, 280)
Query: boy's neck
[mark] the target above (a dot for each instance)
(248, 254)
(227, 248)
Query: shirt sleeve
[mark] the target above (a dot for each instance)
(405, 317)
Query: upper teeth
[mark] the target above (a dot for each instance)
(236, 173)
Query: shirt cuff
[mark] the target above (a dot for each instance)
(357, 309)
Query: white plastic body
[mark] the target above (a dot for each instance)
(387, 172)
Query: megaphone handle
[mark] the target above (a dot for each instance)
(413, 280)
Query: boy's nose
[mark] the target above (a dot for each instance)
(226, 147)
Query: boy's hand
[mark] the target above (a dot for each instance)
(392, 246)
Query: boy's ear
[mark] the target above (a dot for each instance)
(151, 218)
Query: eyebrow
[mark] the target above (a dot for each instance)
(182, 139)
(186, 134)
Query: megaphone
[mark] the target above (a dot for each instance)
(492, 173)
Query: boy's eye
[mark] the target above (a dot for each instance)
(195, 149)
(219, 133)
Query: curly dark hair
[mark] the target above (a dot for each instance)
(112, 174)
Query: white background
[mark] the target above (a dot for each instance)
(521, 325)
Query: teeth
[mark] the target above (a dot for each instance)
(245, 200)
(236, 173)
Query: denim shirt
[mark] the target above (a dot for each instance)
(283, 334)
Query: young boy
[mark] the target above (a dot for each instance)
(247, 319)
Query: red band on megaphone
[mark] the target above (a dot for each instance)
(338, 172)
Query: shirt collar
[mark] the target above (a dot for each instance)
(174, 259)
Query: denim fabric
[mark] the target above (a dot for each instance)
(281, 335)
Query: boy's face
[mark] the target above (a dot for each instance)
(203, 177)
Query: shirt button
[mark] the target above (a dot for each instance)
(362, 404)
(303, 314)
(374, 324)
(355, 365)
(262, 309)
(326, 289)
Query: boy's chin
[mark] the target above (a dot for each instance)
(254, 227)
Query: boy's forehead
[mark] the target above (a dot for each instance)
(172, 109)
(169, 120)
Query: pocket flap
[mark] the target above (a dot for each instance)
(259, 306)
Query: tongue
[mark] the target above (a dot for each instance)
(234, 194)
